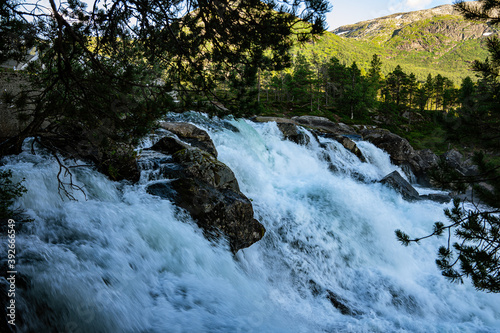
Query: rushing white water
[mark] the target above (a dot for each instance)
(126, 261)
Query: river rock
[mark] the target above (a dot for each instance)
(278, 120)
(191, 134)
(457, 161)
(348, 144)
(438, 197)
(292, 133)
(395, 181)
(209, 191)
(400, 151)
(324, 125)
(169, 145)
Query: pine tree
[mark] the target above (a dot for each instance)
(476, 253)
(106, 72)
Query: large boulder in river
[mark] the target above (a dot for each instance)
(209, 191)
(401, 152)
(429, 159)
(191, 134)
(395, 181)
(288, 128)
(278, 120)
(324, 125)
(292, 133)
(347, 143)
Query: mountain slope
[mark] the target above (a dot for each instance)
(435, 41)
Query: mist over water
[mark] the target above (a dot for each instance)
(122, 260)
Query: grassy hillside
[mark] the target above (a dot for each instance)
(435, 41)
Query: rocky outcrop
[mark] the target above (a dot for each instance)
(278, 120)
(437, 197)
(348, 144)
(292, 133)
(395, 181)
(457, 161)
(402, 153)
(429, 159)
(208, 190)
(288, 128)
(324, 125)
(191, 134)
(319, 126)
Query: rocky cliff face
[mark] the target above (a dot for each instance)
(425, 30)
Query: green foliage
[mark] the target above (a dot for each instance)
(476, 251)
(418, 48)
(106, 73)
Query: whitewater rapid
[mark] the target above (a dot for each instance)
(121, 260)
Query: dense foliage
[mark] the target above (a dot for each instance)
(107, 72)
(335, 88)
(475, 251)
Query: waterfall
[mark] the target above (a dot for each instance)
(121, 260)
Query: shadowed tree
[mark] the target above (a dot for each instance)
(472, 249)
(106, 72)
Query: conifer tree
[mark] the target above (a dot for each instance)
(472, 247)
(106, 71)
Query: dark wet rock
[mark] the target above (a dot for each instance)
(401, 152)
(191, 134)
(169, 145)
(227, 125)
(340, 304)
(395, 181)
(292, 133)
(209, 191)
(429, 159)
(437, 197)
(162, 189)
(337, 301)
(348, 144)
(458, 162)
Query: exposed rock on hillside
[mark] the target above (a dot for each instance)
(442, 20)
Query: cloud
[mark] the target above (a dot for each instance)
(417, 3)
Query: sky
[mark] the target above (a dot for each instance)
(353, 11)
